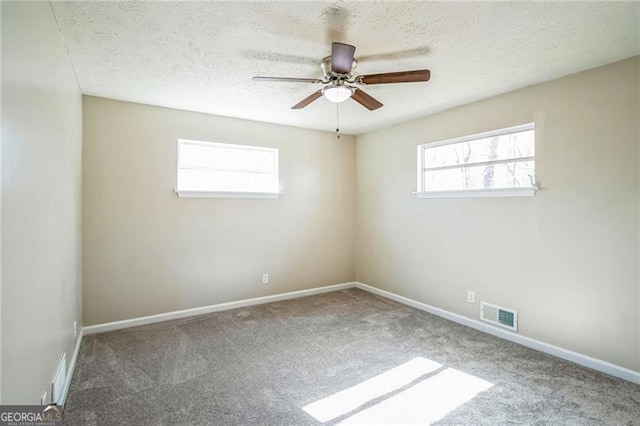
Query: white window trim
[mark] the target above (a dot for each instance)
(226, 194)
(183, 193)
(473, 193)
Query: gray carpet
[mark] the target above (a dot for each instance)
(265, 364)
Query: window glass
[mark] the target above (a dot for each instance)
(501, 159)
(218, 167)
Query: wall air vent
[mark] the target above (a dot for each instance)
(58, 382)
(499, 315)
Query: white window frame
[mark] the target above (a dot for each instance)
(466, 193)
(182, 193)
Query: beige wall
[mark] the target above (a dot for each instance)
(567, 258)
(638, 261)
(146, 251)
(41, 189)
(1, 210)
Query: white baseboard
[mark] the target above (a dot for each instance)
(584, 360)
(133, 322)
(70, 369)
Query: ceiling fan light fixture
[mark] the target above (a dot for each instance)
(337, 94)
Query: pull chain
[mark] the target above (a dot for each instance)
(337, 120)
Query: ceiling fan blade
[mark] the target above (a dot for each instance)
(365, 100)
(398, 54)
(278, 57)
(342, 57)
(306, 101)
(288, 80)
(395, 77)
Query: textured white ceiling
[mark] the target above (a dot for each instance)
(200, 56)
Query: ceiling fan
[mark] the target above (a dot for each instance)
(340, 84)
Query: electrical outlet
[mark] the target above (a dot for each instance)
(265, 278)
(471, 296)
(75, 329)
(43, 399)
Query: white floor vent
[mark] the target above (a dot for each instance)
(498, 315)
(59, 379)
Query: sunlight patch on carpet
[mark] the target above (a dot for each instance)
(426, 402)
(349, 399)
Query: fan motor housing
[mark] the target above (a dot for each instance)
(325, 64)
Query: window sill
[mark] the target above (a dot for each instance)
(225, 194)
(472, 193)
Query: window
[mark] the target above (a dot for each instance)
(208, 169)
(497, 163)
